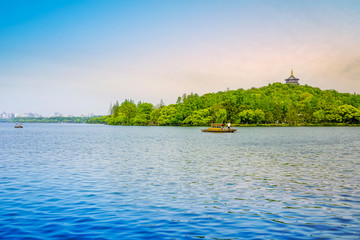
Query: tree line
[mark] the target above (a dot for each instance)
(276, 103)
(49, 119)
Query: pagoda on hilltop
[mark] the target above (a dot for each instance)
(292, 79)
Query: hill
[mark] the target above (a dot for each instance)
(276, 103)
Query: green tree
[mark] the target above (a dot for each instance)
(291, 114)
(319, 116)
(213, 110)
(143, 114)
(169, 116)
(118, 120)
(269, 117)
(154, 115)
(247, 116)
(199, 118)
(128, 108)
(221, 116)
(115, 109)
(140, 119)
(98, 120)
(251, 116)
(349, 113)
(259, 116)
(330, 114)
(145, 108)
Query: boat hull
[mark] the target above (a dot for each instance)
(217, 130)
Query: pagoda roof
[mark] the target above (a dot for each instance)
(292, 77)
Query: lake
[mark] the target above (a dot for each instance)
(78, 181)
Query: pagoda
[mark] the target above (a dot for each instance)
(292, 79)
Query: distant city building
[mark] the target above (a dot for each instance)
(57, 114)
(5, 115)
(292, 79)
(28, 115)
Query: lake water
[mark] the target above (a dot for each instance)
(77, 181)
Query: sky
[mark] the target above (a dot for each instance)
(78, 57)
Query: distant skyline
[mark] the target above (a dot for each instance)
(78, 57)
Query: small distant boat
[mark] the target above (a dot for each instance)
(218, 128)
(18, 125)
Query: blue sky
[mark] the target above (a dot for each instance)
(77, 57)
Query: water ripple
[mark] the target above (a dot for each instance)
(66, 181)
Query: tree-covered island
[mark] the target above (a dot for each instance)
(275, 104)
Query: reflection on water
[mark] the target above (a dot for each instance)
(94, 181)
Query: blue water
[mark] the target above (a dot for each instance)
(74, 181)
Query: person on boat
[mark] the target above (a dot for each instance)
(222, 126)
(229, 124)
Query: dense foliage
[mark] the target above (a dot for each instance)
(276, 103)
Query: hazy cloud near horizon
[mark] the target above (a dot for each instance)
(77, 57)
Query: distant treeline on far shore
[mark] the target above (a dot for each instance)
(275, 104)
(49, 119)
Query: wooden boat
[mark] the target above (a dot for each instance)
(18, 125)
(218, 128)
